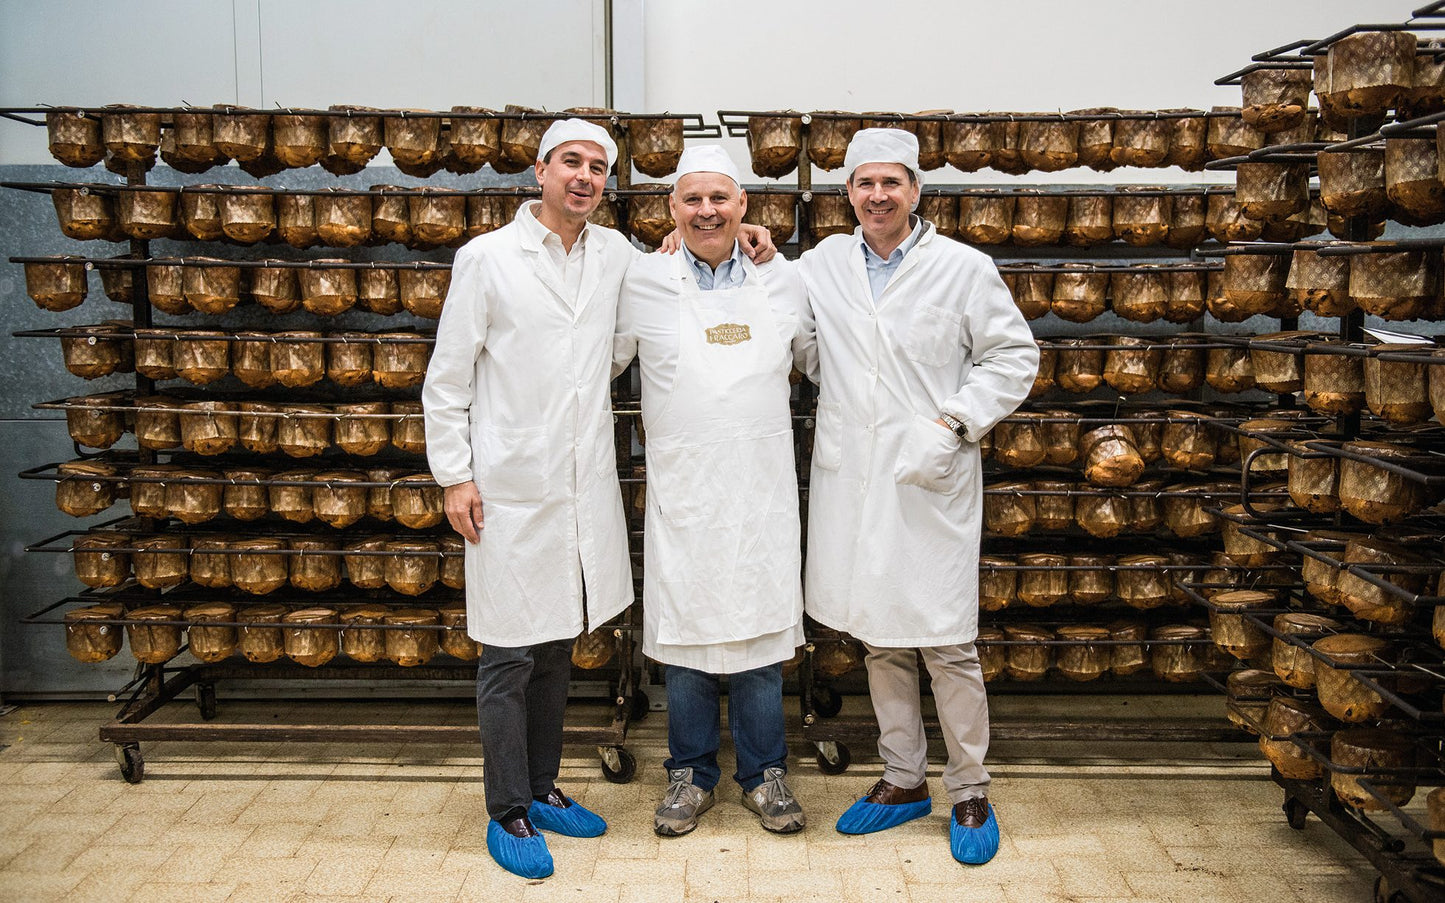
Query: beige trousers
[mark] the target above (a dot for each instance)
(959, 695)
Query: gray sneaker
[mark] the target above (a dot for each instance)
(681, 805)
(775, 804)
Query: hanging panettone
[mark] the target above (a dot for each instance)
(299, 139)
(343, 219)
(1006, 157)
(521, 137)
(1079, 293)
(201, 356)
(130, 136)
(157, 422)
(58, 285)
(1141, 219)
(1032, 291)
(1181, 366)
(201, 212)
(1388, 561)
(1061, 431)
(487, 213)
(1049, 145)
(258, 426)
(1272, 191)
(348, 360)
(74, 137)
(390, 215)
(455, 642)
(1007, 511)
(1039, 219)
(303, 430)
(986, 218)
(1102, 515)
(1436, 379)
(308, 637)
(1320, 284)
(1176, 654)
(84, 488)
(649, 219)
(89, 641)
(1255, 283)
(1231, 136)
(160, 561)
(834, 658)
(1248, 692)
(193, 495)
(1334, 383)
(1188, 443)
(411, 565)
(831, 214)
(378, 291)
(778, 214)
(827, 139)
(1091, 220)
(378, 497)
(1096, 137)
(1140, 141)
(1140, 293)
(1091, 581)
(99, 561)
(241, 497)
(105, 350)
(1044, 375)
(969, 146)
(1226, 222)
(209, 427)
(997, 583)
(594, 649)
(352, 139)
(1285, 717)
(930, 138)
(1232, 630)
(209, 287)
(453, 561)
(417, 501)
(1383, 758)
(1186, 513)
(438, 216)
(1426, 95)
(1401, 285)
(1187, 217)
(241, 134)
(1029, 658)
(148, 489)
(1313, 483)
(259, 637)
(118, 283)
(248, 215)
(474, 140)
(408, 428)
(1140, 581)
(211, 566)
(1131, 365)
(1292, 663)
(1110, 457)
(399, 360)
(327, 290)
(148, 214)
(1412, 181)
(1229, 369)
(423, 291)
(290, 496)
(1128, 655)
(275, 288)
(1078, 369)
(362, 428)
(1340, 692)
(154, 633)
(311, 566)
(1275, 99)
(1352, 182)
(939, 209)
(362, 638)
(1369, 72)
(1018, 441)
(1043, 581)
(1188, 140)
(1397, 391)
(1376, 495)
(415, 142)
(338, 501)
(365, 566)
(655, 145)
(298, 358)
(1185, 296)
(1053, 505)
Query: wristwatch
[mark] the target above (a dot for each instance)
(953, 423)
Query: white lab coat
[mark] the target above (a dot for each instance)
(517, 398)
(722, 591)
(895, 504)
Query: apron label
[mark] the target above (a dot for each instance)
(728, 334)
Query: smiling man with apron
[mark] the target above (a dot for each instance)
(716, 338)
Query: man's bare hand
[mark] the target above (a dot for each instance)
(671, 243)
(757, 243)
(463, 505)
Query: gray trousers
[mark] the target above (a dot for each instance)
(521, 695)
(959, 695)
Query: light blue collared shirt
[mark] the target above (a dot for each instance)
(880, 270)
(729, 274)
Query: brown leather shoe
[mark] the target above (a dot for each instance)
(520, 826)
(971, 813)
(555, 797)
(888, 794)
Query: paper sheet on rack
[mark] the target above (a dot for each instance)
(1388, 337)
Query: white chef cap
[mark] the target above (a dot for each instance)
(707, 158)
(883, 146)
(564, 130)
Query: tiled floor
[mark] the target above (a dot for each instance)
(405, 822)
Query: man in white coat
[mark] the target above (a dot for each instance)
(920, 351)
(716, 337)
(518, 413)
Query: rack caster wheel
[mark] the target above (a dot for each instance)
(827, 701)
(1295, 813)
(132, 763)
(833, 757)
(206, 701)
(1385, 894)
(618, 765)
(641, 705)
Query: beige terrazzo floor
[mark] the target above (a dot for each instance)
(405, 822)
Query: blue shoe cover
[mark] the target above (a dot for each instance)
(527, 857)
(864, 817)
(973, 846)
(574, 821)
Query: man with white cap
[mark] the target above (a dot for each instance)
(518, 418)
(920, 351)
(716, 337)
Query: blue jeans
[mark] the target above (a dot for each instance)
(755, 718)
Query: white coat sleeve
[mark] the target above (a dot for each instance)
(624, 340)
(1005, 356)
(448, 392)
(805, 348)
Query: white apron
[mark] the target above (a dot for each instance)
(722, 550)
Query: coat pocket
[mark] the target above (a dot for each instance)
(932, 336)
(928, 457)
(828, 436)
(515, 463)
